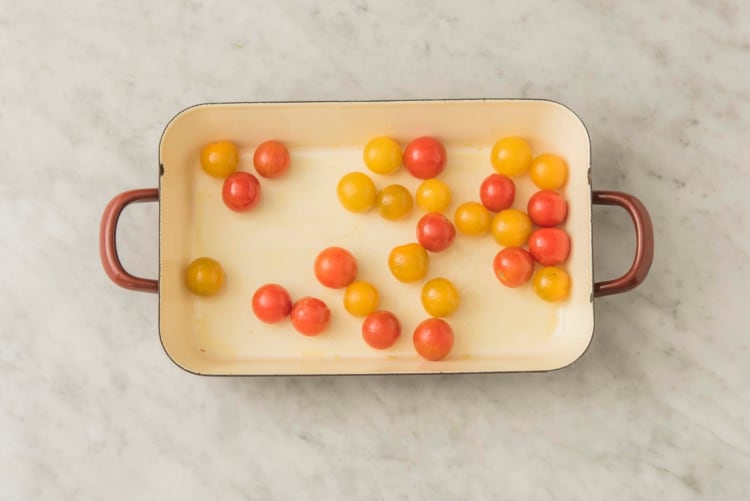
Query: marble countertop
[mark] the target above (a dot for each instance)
(90, 407)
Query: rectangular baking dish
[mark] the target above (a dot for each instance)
(496, 329)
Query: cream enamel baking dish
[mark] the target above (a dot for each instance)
(496, 329)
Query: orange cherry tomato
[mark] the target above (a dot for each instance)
(549, 246)
(472, 219)
(433, 339)
(547, 208)
(549, 172)
(497, 192)
(381, 329)
(271, 159)
(511, 156)
(271, 303)
(220, 159)
(552, 284)
(204, 277)
(433, 195)
(435, 232)
(511, 228)
(382, 155)
(241, 191)
(335, 267)
(361, 298)
(310, 316)
(513, 266)
(356, 192)
(409, 262)
(425, 157)
(440, 297)
(394, 202)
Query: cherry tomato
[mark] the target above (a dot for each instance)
(271, 159)
(514, 266)
(425, 157)
(356, 192)
(511, 156)
(547, 208)
(511, 228)
(241, 191)
(382, 155)
(271, 303)
(220, 159)
(433, 339)
(408, 263)
(549, 171)
(381, 329)
(439, 297)
(552, 284)
(361, 298)
(335, 267)
(310, 316)
(497, 192)
(435, 232)
(549, 246)
(433, 195)
(472, 219)
(204, 277)
(394, 202)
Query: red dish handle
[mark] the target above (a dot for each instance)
(108, 241)
(644, 242)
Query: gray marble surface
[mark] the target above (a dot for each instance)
(90, 407)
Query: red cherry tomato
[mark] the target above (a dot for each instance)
(549, 246)
(241, 191)
(310, 316)
(271, 159)
(433, 339)
(547, 208)
(271, 303)
(425, 157)
(514, 266)
(435, 232)
(497, 192)
(381, 329)
(335, 267)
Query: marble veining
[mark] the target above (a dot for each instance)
(91, 408)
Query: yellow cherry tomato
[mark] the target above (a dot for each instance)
(511, 228)
(440, 298)
(394, 202)
(382, 155)
(409, 262)
(204, 277)
(356, 192)
(472, 218)
(511, 156)
(549, 172)
(552, 284)
(220, 159)
(433, 195)
(361, 298)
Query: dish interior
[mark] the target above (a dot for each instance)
(496, 328)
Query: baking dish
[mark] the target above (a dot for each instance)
(497, 329)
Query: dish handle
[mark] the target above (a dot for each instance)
(644, 242)
(108, 240)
